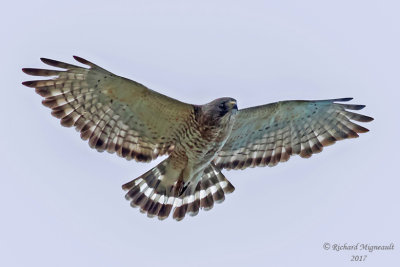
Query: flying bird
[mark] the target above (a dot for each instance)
(119, 115)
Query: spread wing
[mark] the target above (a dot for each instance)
(269, 134)
(112, 112)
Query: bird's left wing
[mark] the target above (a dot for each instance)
(269, 134)
(114, 113)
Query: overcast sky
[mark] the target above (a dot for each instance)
(61, 202)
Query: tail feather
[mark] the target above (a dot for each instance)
(212, 187)
(151, 195)
(194, 202)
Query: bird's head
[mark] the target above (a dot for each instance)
(219, 109)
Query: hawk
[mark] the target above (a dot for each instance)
(119, 115)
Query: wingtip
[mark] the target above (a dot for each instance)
(82, 60)
(361, 106)
(28, 83)
(344, 99)
(51, 62)
(44, 60)
(33, 72)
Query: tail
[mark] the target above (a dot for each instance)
(152, 194)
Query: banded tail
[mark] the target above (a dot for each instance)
(154, 197)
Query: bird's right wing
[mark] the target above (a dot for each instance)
(269, 134)
(112, 112)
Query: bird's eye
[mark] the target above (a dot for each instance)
(222, 106)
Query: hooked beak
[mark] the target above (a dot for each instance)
(232, 104)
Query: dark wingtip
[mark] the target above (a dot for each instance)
(345, 99)
(33, 72)
(352, 106)
(363, 130)
(53, 62)
(46, 60)
(28, 83)
(82, 60)
(356, 107)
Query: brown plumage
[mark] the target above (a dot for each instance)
(119, 115)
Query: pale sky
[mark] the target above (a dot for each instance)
(62, 202)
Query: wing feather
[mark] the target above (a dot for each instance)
(115, 114)
(269, 134)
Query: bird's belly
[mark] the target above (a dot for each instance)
(201, 147)
(200, 157)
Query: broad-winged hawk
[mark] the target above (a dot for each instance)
(119, 115)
